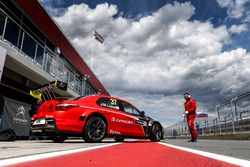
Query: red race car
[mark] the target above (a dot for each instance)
(93, 118)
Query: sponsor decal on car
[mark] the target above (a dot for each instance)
(141, 122)
(115, 132)
(113, 119)
(49, 116)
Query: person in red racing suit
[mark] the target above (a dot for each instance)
(190, 108)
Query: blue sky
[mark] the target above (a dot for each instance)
(155, 50)
(204, 10)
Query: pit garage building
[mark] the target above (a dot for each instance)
(34, 51)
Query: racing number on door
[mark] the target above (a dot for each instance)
(113, 102)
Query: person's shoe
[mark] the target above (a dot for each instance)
(192, 140)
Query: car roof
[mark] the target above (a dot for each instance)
(97, 96)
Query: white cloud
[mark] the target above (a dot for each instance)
(236, 8)
(224, 3)
(152, 61)
(238, 29)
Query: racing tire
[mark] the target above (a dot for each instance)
(119, 139)
(58, 139)
(95, 130)
(156, 133)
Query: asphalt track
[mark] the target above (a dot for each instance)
(130, 153)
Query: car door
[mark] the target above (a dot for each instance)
(117, 119)
(135, 129)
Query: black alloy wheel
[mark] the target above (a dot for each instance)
(58, 139)
(95, 130)
(119, 139)
(156, 133)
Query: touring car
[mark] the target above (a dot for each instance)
(94, 118)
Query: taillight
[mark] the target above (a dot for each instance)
(65, 107)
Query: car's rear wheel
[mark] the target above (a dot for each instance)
(58, 139)
(119, 139)
(95, 130)
(156, 133)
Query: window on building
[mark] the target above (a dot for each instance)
(90, 89)
(50, 46)
(68, 65)
(62, 73)
(29, 46)
(39, 55)
(12, 32)
(47, 63)
(33, 31)
(11, 10)
(2, 21)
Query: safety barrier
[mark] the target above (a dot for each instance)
(230, 117)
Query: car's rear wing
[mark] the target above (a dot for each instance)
(46, 92)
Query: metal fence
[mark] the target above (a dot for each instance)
(232, 116)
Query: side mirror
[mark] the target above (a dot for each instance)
(143, 113)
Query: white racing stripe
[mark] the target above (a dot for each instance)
(12, 161)
(231, 160)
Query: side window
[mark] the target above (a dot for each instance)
(108, 102)
(136, 112)
(127, 108)
(130, 109)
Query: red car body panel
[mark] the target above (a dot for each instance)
(73, 114)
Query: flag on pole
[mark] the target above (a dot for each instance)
(98, 37)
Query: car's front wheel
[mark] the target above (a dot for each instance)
(156, 133)
(95, 130)
(119, 139)
(58, 139)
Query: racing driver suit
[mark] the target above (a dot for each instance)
(190, 108)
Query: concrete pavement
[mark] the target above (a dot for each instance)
(232, 148)
(22, 148)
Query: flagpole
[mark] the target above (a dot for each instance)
(92, 51)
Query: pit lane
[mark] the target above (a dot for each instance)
(31, 147)
(131, 152)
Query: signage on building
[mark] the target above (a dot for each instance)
(2, 60)
(46, 91)
(15, 117)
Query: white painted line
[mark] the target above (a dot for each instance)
(231, 160)
(12, 161)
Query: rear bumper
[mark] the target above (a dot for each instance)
(49, 128)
